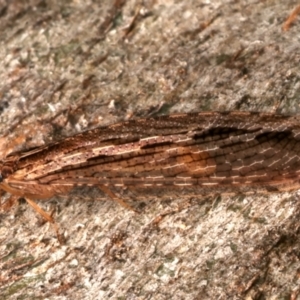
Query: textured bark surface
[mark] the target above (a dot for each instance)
(71, 65)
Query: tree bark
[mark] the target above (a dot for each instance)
(67, 66)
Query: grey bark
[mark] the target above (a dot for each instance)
(71, 65)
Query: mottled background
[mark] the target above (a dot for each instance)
(66, 66)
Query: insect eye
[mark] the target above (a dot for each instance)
(5, 172)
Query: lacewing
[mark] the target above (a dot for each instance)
(211, 151)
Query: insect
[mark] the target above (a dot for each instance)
(212, 151)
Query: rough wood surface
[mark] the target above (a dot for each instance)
(72, 65)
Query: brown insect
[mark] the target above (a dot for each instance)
(215, 152)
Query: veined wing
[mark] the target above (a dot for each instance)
(221, 159)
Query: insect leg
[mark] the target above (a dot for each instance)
(47, 217)
(108, 192)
